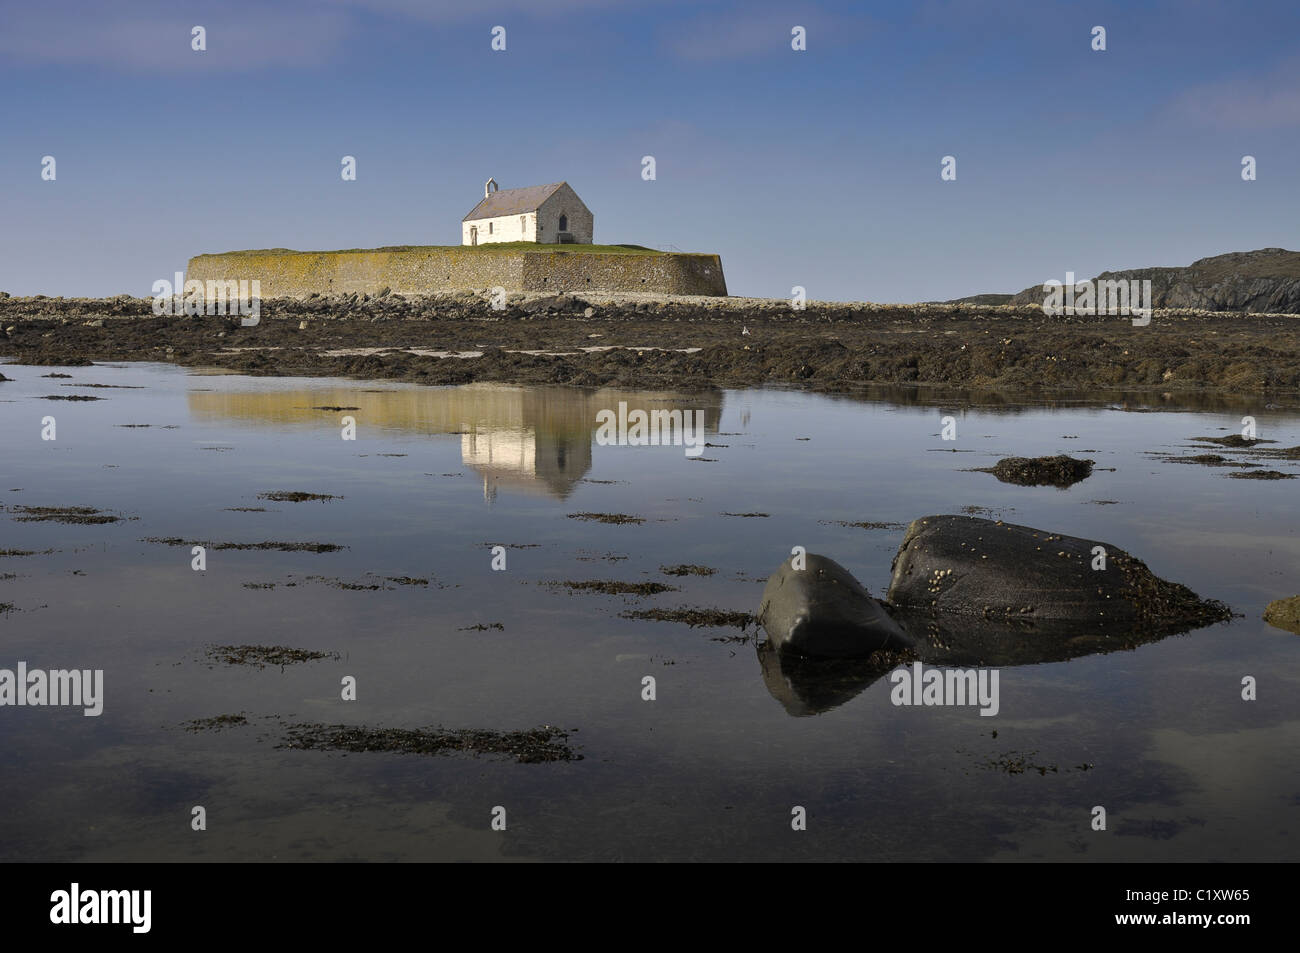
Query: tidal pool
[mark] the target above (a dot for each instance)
(410, 607)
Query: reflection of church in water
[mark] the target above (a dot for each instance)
(527, 439)
(526, 460)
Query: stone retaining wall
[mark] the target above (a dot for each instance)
(415, 271)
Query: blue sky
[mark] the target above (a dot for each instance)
(817, 168)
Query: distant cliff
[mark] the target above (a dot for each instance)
(1266, 280)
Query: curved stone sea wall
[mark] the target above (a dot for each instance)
(414, 271)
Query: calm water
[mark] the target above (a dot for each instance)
(712, 768)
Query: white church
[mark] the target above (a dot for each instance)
(548, 214)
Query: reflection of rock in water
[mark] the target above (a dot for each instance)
(951, 638)
(530, 439)
(807, 686)
(810, 686)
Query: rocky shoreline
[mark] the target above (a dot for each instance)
(675, 342)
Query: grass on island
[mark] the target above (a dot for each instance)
(489, 248)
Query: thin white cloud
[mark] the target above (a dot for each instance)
(1265, 101)
(442, 10)
(153, 36)
(745, 32)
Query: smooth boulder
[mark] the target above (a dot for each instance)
(1002, 571)
(821, 611)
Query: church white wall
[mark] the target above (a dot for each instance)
(506, 228)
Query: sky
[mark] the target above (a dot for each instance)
(818, 168)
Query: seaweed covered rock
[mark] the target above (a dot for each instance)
(1000, 571)
(1059, 471)
(1284, 614)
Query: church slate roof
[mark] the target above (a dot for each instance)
(512, 201)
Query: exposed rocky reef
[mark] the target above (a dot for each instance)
(673, 342)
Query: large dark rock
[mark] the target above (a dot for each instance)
(965, 592)
(821, 611)
(999, 571)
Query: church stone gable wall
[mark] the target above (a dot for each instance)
(581, 222)
(417, 271)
